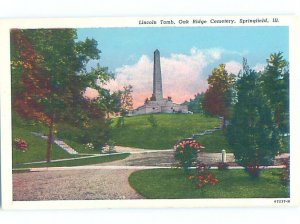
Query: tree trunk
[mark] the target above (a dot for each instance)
(50, 141)
(223, 123)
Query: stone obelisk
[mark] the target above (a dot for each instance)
(157, 82)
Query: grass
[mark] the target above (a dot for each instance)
(214, 142)
(172, 184)
(80, 148)
(77, 162)
(36, 148)
(139, 133)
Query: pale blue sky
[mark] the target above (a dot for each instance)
(121, 46)
(188, 55)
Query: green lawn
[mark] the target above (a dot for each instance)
(78, 162)
(138, 132)
(172, 184)
(214, 142)
(36, 148)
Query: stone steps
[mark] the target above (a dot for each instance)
(60, 143)
(65, 147)
(206, 132)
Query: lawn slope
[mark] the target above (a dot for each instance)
(138, 132)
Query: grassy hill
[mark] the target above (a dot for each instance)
(138, 132)
(36, 147)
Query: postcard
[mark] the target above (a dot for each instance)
(149, 112)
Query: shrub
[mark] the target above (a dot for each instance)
(285, 176)
(69, 132)
(89, 146)
(152, 120)
(20, 144)
(253, 170)
(186, 152)
(252, 134)
(110, 146)
(203, 177)
(223, 166)
(120, 122)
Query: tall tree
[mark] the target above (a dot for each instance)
(251, 133)
(126, 99)
(217, 98)
(275, 80)
(53, 76)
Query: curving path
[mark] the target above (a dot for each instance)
(95, 182)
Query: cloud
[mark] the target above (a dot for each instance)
(233, 67)
(183, 75)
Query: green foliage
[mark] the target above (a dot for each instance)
(285, 175)
(218, 97)
(275, 84)
(120, 122)
(97, 133)
(70, 132)
(195, 105)
(172, 184)
(126, 100)
(251, 134)
(152, 121)
(50, 67)
(215, 142)
(172, 127)
(222, 166)
(186, 153)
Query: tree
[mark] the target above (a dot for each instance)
(49, 66)
(195, 105)
(217, 98)
(275, 83)
(251, 133)
(126, 100)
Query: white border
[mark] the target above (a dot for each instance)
(6, 160)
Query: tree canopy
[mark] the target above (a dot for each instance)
(251, 133)
(49, 77)
(217, 98)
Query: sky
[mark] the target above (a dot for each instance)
(188, 55)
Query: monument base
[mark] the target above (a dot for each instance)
(162, 106)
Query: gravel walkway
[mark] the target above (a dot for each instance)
(73, 185)
(97, 184)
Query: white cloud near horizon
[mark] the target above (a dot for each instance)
(183, 75)
(233, 67)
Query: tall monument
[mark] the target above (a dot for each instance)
(158, 104)
(157, 82)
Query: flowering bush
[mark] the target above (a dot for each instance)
(186, 152)
(89, 146)
(20, 144)
(203, 177)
